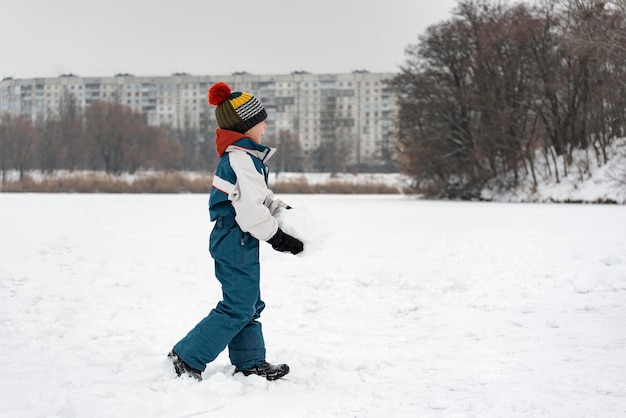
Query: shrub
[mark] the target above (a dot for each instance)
(174, 182)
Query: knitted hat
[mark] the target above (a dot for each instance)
(235, 111)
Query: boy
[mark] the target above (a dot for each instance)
(243, 209)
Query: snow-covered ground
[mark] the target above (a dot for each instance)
(400, 308)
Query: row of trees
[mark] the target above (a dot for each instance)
(112, 137)
(105, 136)
(481, 95)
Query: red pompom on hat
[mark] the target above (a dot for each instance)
(218, 93)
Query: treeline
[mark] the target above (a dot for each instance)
(500, 89)
(111, 137)
(105, 136)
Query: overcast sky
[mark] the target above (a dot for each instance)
(46, 38)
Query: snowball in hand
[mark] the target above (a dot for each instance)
(300, 223)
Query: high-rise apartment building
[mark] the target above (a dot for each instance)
(355, 108)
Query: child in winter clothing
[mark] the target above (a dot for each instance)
(243, 209)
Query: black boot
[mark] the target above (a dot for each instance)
(181, 367)
(269, 371)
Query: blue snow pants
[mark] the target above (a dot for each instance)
(233, 322)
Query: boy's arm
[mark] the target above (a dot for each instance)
(252, 200)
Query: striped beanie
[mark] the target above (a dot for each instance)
(236, 111)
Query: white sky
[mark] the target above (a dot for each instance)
(46, 38)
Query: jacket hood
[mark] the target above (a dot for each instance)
(225, 138)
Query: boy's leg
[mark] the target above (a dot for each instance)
(247, 348)
(237, 310)
(239, 273)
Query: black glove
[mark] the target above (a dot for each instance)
(286, 243)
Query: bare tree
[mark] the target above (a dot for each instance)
(116, 130)
(331, 157)
(61, 143)
(289, 155)
(436, 85)
(49, 148)
(17, 139)
(482, 92)
(70, 130)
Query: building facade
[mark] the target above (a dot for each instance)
(356, 109)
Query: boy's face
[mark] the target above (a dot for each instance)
(256, 132)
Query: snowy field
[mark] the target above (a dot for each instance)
(409, 309)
